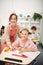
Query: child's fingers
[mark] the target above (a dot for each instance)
(19, 48)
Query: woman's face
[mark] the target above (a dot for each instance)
(24, 34)
(13, 20)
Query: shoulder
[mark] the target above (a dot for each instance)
(8, 25)
(30, 41)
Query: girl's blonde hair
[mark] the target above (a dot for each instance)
(23, 30)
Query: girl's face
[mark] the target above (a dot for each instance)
(24, 35)
(13, 20)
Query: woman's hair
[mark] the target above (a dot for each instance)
(12, 15)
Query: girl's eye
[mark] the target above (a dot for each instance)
(24, 34)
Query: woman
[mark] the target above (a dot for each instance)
(10, 32)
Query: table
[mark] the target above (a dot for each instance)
(30, 57)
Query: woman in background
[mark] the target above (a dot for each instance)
(2, 30)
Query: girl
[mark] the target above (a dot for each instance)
(24, 44)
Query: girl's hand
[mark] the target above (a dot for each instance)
(13, 48)
(22, 50)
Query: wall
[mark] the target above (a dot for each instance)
(18, 6)
(41, 31)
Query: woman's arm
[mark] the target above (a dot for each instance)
(5, 37)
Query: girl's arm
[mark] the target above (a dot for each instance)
(31, 48)
(15, 45)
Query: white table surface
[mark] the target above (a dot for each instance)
(31, 56)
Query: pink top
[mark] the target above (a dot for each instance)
(27, 45)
